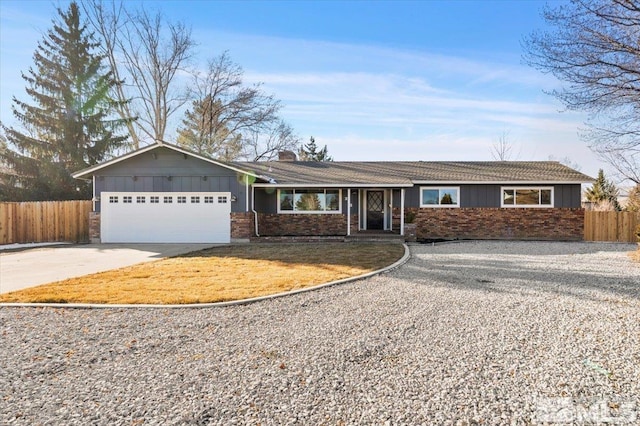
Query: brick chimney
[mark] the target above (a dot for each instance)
(287, 156)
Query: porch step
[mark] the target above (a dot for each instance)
(378, 238)
(366, 237)
(298, 239)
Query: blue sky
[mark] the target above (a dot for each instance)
(422, 80)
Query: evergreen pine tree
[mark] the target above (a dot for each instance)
(310, 152)
(633, 202)
(203, 132)
(69, 126)
(603, 190)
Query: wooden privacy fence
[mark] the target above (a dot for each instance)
(44, 221)
(611, 226)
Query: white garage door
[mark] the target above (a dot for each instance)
(165, 217)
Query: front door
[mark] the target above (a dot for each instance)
(375, 209)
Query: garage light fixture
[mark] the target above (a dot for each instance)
(233, 198)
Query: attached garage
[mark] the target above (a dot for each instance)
(165, 217)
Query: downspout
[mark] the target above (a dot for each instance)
(348, 212)
(253, 209)
(402, 212)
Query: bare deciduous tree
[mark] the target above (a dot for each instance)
(106, 24)
(594, 48)
(567, 161)
(264, 144)
(226, 113)
(502, 150)
(145, 53)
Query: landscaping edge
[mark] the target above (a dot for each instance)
(405, 257)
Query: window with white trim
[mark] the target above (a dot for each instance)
(182, 200)
(440, 196)
(208, 200)
(195, 200)
(309, 201)
(141, 199)
(526, 196)
(222, 199)
(113, 199)
(127, 199)
(168, 199)
(154, 199)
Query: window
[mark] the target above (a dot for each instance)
(141, 200)
(182, 200)
(309, 200)
(113, 198)
(195, 200)
(440, 196)
(126, 199)
(208, 200)
(168, 200)
(154, 199)
(527, 197)
(222, 199)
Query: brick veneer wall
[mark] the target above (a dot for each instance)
(242, 225)
(503, 224)
(270, 225)
(94, 227)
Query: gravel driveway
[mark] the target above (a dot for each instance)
(464, 333)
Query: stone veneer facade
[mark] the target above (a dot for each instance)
(500, 223)
(94, 227)
(436, 223)
(275, 225)
(242, 226)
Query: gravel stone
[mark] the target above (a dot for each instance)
(463, 334)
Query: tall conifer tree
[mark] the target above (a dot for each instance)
(204, 132)
(310, 152)
(603, 190)
(69, 125)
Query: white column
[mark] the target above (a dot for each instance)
(391, 210)
(402, 211)
(348, 211)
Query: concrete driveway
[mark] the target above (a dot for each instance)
(32, 267)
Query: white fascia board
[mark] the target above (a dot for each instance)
(497, 182)
(332, 185)
(90, 170)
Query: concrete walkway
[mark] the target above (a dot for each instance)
(29, 268)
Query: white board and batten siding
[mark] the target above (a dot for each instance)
(165, 217)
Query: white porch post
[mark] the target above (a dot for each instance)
(391, 209)
(246, 182)
(94, 199)
(348, 211)
(402, 212)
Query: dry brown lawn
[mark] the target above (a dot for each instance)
(218, 274)
(635, 255)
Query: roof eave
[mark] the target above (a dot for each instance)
(91, 170)
(501, 182)
(332, 185)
